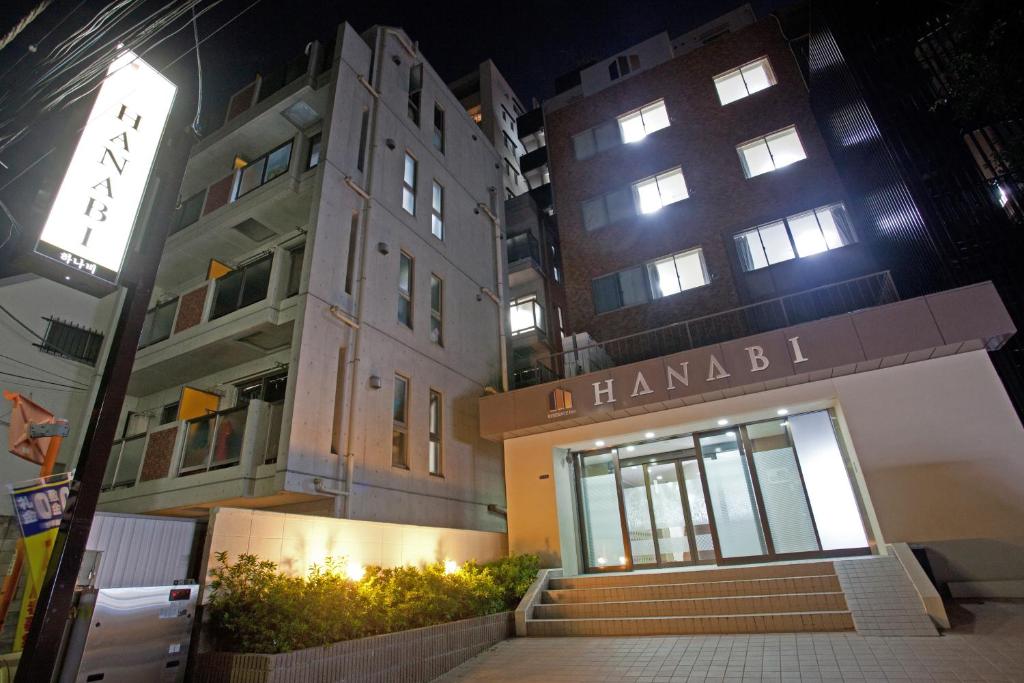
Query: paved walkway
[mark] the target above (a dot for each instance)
(986, 643)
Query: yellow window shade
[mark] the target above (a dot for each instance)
(195, 403)
(217, 269)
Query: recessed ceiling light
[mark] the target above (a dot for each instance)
(599, 443)
(631, 448)
(723, 422)
(660, 477)
(730, 434)
(782, 411)
(648, 435)
(783, 423)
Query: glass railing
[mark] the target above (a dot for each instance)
(241, 287)
(261, 171)
(213, 441)
(158, 323)
(523, 246)
(125, 462)
(525, 316)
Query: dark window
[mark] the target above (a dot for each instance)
(169, 413)
(400, 425)
(363, 128)
(350, 262)
(269, 388)
(159, 320)
(69, 340)
(264, 169)
(415, 92)
(242, 287)
(189, 211)
(405, 275)
(439, 128)
(295, 258)
(434, 425)
(313, 155)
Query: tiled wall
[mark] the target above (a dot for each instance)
(882, 599)
(190, 309)
(411, 656)
(159, 451)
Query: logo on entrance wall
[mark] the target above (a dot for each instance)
(560, 403)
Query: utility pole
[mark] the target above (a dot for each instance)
(39, 659)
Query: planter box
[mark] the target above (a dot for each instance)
(420, 654)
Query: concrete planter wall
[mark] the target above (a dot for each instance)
(420, 654)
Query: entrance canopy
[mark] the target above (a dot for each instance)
(950, 322)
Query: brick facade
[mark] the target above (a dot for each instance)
(190, 309)
(159, 450)
(702, 139)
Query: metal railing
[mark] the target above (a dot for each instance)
(125, 462)
(812, 304)
(213, 441)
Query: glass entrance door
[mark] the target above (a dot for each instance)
(666, 520)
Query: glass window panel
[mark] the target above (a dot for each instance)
(730, 87)
(595, 215)
(251, 176)
(257, 280)
(828, 482)
(732, 496)
(314, 151)
(690, 268)
(785, 147)
(404, 274)
(197, 442)
(756, 158)
(398, 449)
(295, 257)
(758, 76)
(834, 225)
(225, 298)
(776, 242)
(277, 162)
(409, 177)
(607, 135)
(785, 503)
(620, 204)
(227, 445)
(521, 315)
(669, 520)
(655, 117)
(435, 293)
(436, 197)
(632, 126)
(647, 195)
(606, 293)
(600, 502)
(401, 391)
(664, 280)
(698, 511)
(751, 253)
(806, 234)
(638, 515)
(408, 200)
(584, 144)
(131, 461)
(672, 186)
(405, 312)
(634, 289)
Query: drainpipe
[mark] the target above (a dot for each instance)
(499, 299)
(343, 499)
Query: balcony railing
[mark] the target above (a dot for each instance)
(125, 462)
(242, 287)
(764, 316)
(523, 246)
(213, 441)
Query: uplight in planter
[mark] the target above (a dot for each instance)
(451, 566)
(355, 571)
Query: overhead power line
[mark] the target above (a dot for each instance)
(41, 381)
(48, 372)
(25, 21)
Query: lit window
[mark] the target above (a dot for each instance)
(525, 315)
(674, 274)
(653, 280)
(803, 234)
(664, 188)
(434, 421)
(636, 125)
(400, 425)
(405, 274)
(437, 211)
(771, 152)
(746, 80)
(409, 185)
(436, 302)
(313, 159)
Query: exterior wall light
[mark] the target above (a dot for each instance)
(355, 571)
(451, 566)
(375, 382)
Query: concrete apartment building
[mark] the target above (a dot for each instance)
(326, 314)
(756, 390)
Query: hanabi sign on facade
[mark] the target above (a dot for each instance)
(90, 225)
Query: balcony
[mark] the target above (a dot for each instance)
(526, 322)
(530, 123)
(241, 316)
(813, 304)
(524, 262)
(533, 160)
(200, 460)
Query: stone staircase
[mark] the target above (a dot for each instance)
(773, 598)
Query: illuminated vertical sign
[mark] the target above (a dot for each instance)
(90, 225)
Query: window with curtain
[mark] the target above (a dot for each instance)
(657, 191)
(638, 124)
(652, 280)
(771, 152)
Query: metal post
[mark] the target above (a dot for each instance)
(39, 659)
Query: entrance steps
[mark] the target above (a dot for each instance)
(773, 598)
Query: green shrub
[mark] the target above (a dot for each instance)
(255, 608)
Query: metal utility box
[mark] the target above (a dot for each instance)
(127, 635)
